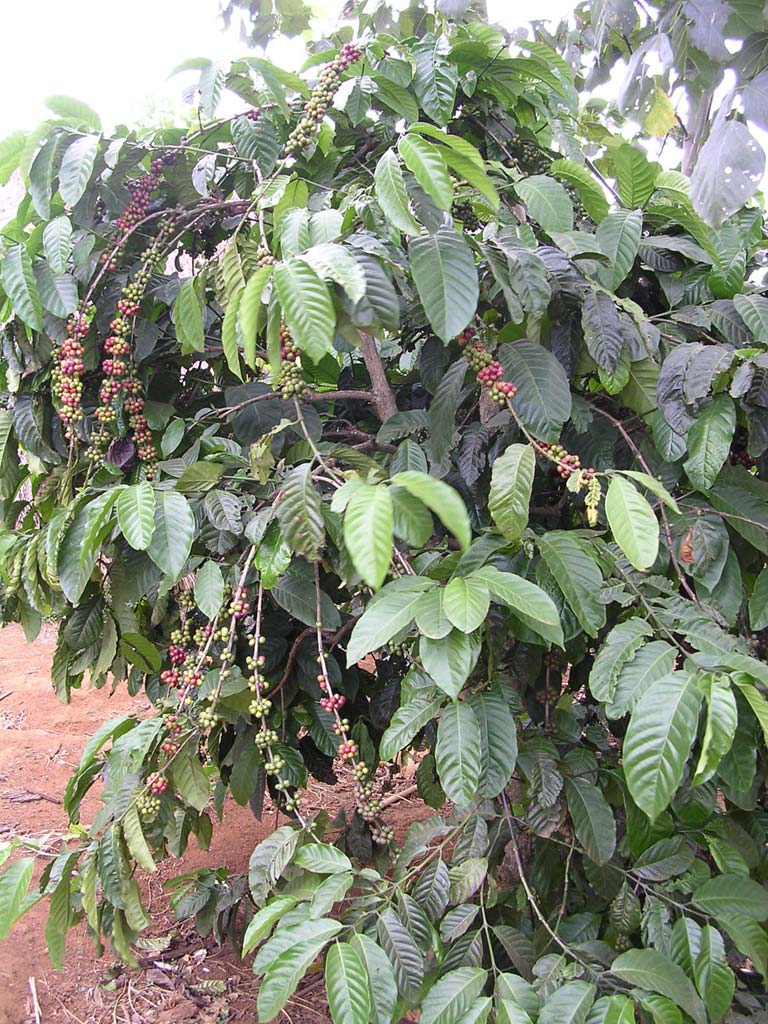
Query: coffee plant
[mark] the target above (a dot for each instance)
(415, 415)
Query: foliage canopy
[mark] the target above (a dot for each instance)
(413, 411)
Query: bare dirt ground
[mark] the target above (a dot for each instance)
(190, 981)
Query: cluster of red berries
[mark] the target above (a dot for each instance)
(177, 654)
(141, 190)
(170, 677)
(487, 370)
(741, 458)
(566, 462)
(156, 783)
(239, 609)
(292, 384)
(68, 369)
(335, 702)
(322, 96)
(253, 114)
(347, 750)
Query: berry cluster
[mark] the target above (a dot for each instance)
(334, 702)
(487, 370)
(68, 369)
(239, 607)
(740, 457)
(141, 190)
(367, 804)
(463, 212)
(156, 783)
(566, 463)
(530, 156)
(347, 748)
(264, 257)
(292, 384)
(321, 97)
(147, 805)
(253, 114)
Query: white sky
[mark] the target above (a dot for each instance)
(116, 55)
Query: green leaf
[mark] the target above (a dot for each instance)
(577, 575)
(443, 409)
(136, 514)
(753, 310)
(21, 288)
(430, 616)
(391, 194)
(511, 486)
(652, 662)
(728, 171)
(450, 997)
(269, 859)
(654, 486)
(403, 954)
(381, 978)
(498, 741)
(569, 1004)
(333, 261)
(659, 740)
(732, 894)
(199, 476)
(229, 334)
(322, 859)
(664, 860)
(41, 175)
(263, 920)
(346, 982)
(411, 521)
(297, 595)
(190, 780)
(250, 311)
(307, 307)
(709, 441)
(720, 728)
(635, 175)
(593, 820)
(300, 513)
(426, 163)
(602, 330)
(405, 724)
(445, 276)
(57, 243)
(466, 601)
(529, 603)
(648, 969)
(748, 936)
(619, 647)
(77, 167)
(174, 533)
(209, 588)
(435, 78)
(442, 499)
(391, 611)
(286, 971)
(70, 107)
(547, 202)
(14, 882)
(589, 190)
(59, 919)
(714, 978)
(368, 532)
(188, 318)
(58, 292)
(137, 844)
(543, 399)
(458, 753)
(633, 523)
(758, 603)
(619, 238)
(449, 661)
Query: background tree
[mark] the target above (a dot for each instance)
(413, 410)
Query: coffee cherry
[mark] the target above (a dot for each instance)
(321, 97)
(156, 783)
